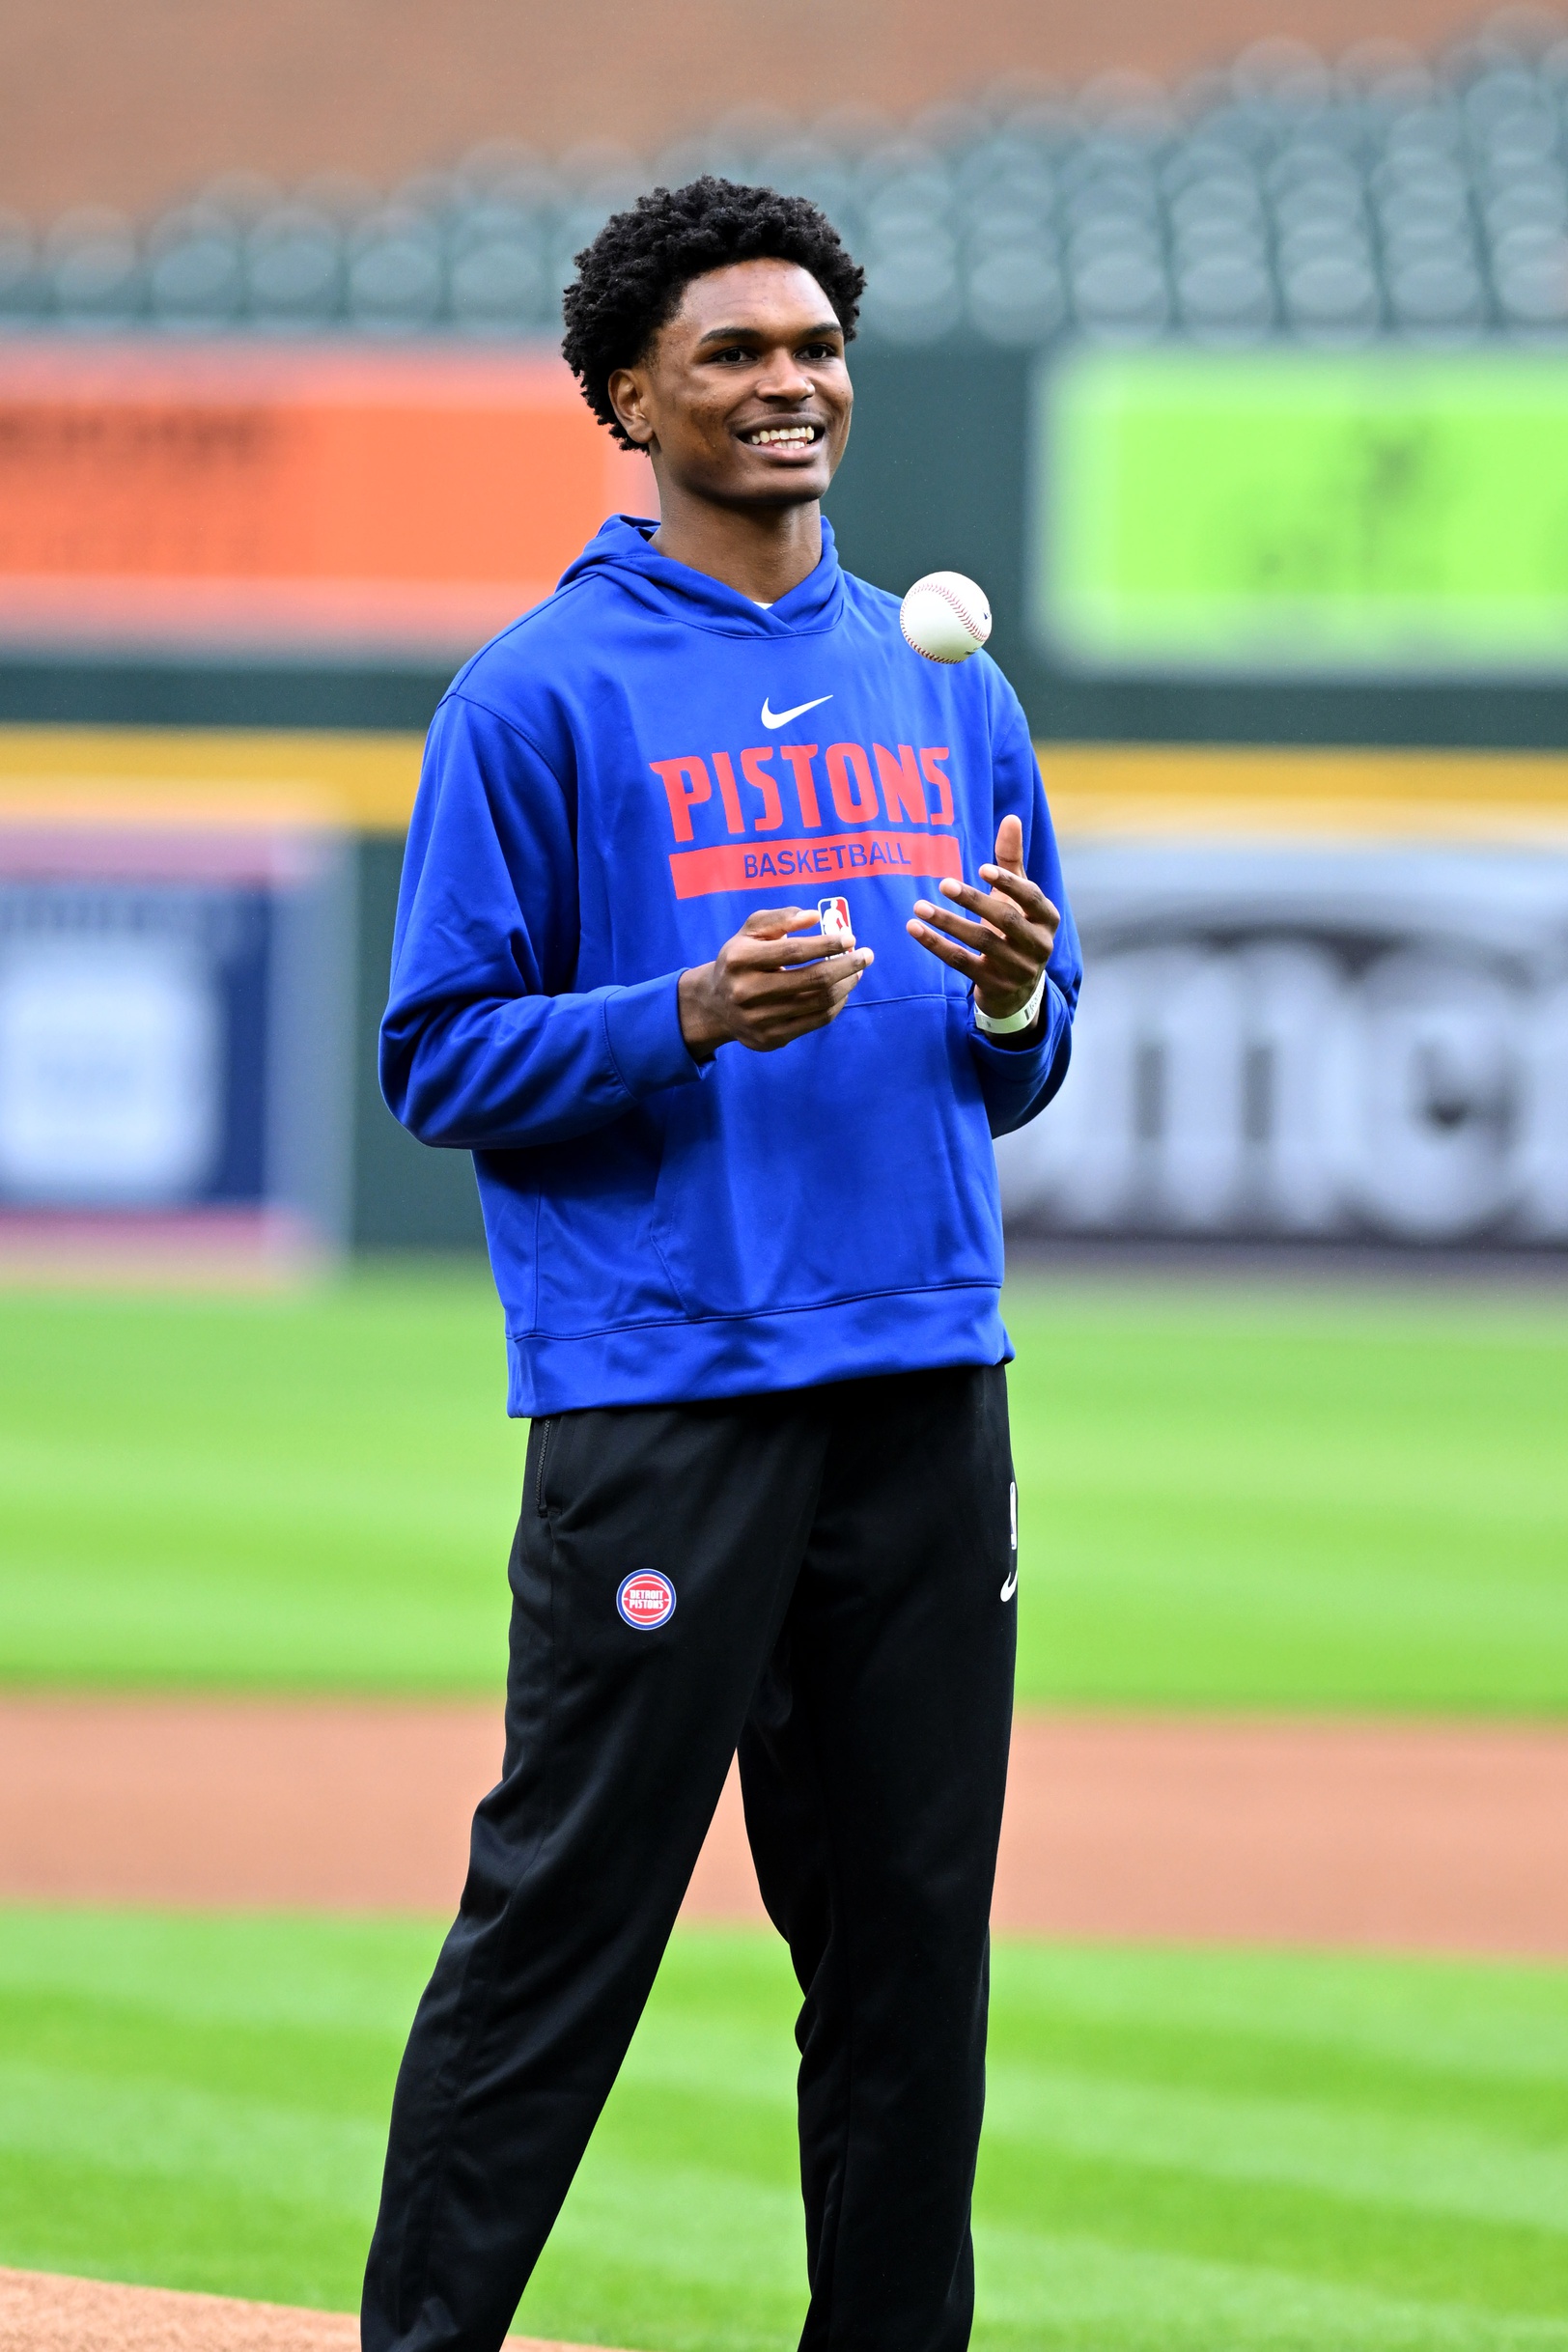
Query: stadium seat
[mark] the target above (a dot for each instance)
(1387, 195)
(20, 291)
(196, 268)
(396, 278)
(94, 271)
(294, 268)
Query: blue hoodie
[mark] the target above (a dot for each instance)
(610, 787)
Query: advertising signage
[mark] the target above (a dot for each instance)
(175, 1041)
(1390, 513)
(311, 500)
(1331, 1041)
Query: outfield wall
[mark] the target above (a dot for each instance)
(944, 469)
(1328, 997)
(195, 931)
(1304, 727)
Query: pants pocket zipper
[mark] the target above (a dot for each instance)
(546, 1431)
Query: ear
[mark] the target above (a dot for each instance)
(627, 394)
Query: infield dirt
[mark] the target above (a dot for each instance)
(39, 2313)
(1393, 1837)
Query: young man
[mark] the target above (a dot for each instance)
(741, 1204)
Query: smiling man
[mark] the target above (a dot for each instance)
(739, 1186)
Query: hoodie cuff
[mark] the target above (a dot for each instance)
(643, 1027)
(1030, 1057)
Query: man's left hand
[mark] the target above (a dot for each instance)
(1008, 946)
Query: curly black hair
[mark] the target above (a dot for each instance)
(631, 279)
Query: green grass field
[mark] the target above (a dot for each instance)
(1266, 1499)
(1184, 2152)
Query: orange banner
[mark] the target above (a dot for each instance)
(301, 496)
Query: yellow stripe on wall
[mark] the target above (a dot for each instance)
(1174, 792)
(366, 783)
(208, 775)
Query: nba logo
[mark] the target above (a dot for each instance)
(646, 1600)
(833, 914)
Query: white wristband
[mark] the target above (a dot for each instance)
(1011, 1023)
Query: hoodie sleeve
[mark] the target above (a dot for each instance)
(485, 1044)
(1018, 1081)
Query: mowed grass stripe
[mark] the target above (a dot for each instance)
(1083, 2294)
(1288, 1498)
(1281, 1497)
(1227, 2151)
(312, 1492)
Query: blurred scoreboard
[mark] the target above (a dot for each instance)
(1377, 514)
(315, 501)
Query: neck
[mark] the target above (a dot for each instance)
(762, 552)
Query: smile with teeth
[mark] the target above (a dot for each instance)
(782, 437)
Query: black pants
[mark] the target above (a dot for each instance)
(841, 1565)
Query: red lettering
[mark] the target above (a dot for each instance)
(855, 802)
(728, 794)
(942, 813)
(673, 776)
(752, 768)
(801, 757)
(903, 793)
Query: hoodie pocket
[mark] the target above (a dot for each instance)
(598, 1265)
(853, 1162)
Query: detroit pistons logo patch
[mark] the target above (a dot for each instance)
(646, 1600)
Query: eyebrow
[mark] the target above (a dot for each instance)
(730, 334)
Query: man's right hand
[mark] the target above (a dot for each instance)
(765, 988)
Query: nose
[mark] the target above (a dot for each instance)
(784, 378)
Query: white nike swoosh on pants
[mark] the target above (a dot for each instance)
(781, 718)
(1011, 1587)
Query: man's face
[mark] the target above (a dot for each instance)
(743, 397)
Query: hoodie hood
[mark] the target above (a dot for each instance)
(620, 550)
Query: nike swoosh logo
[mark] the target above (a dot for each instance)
(1011, 1587)
(781, 718)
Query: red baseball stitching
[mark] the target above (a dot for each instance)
(949, 599)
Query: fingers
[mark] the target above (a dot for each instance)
(1016, 910)
(1008, 878)
(946, 951)
(779, 977)
(1018, 890)
(988, 904)
(795, 978)
(1009, 899)
(780, 956)
(976, 938)
(1000, 928)
(773, 922)
(1010, 845)
(774, 951)
(765, 983)
(781, 1019)
(1005, 951)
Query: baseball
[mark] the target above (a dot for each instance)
(945, 617)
